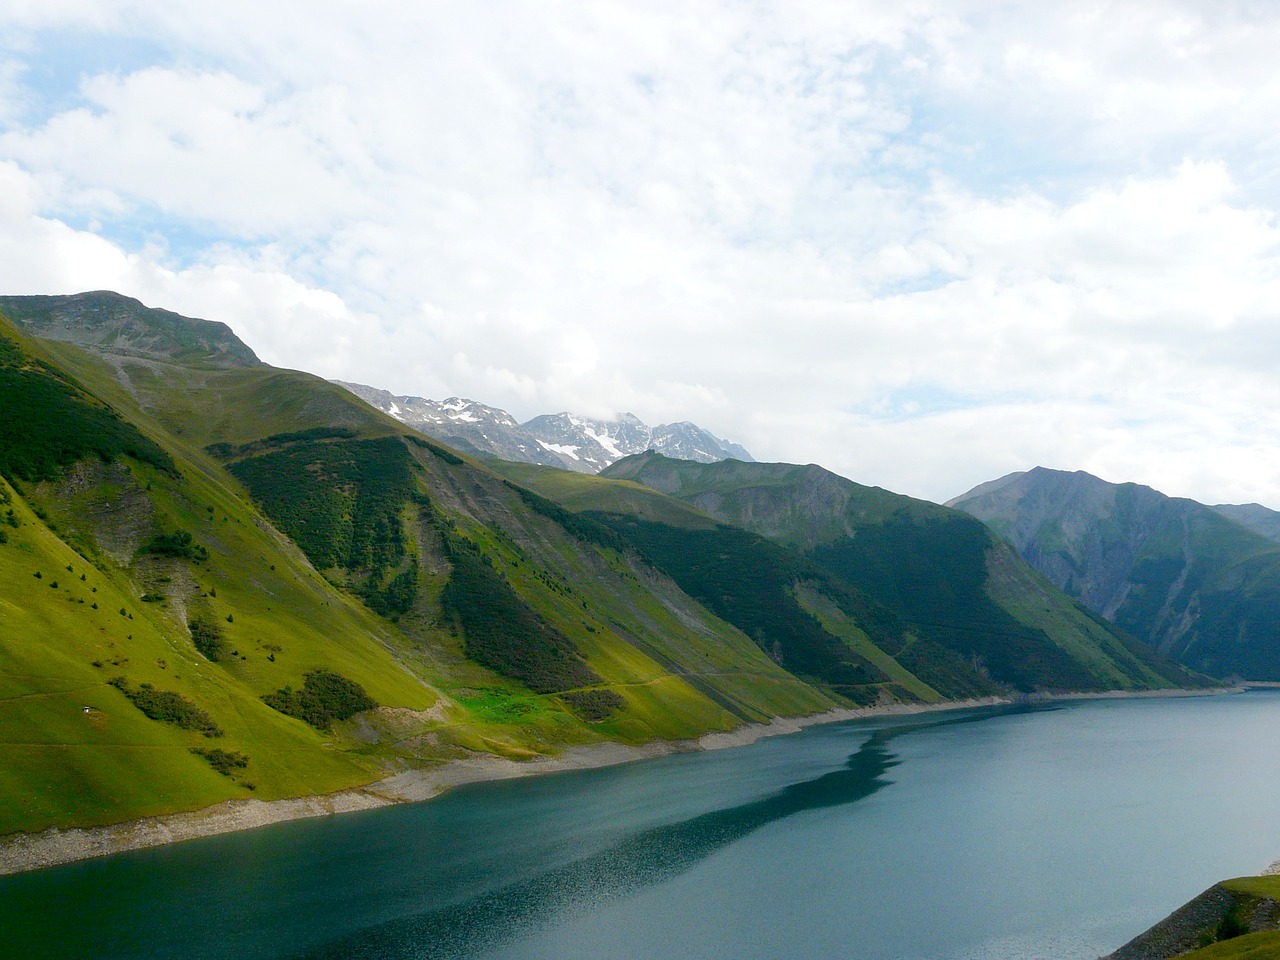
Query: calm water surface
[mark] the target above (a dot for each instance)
(1055, 832)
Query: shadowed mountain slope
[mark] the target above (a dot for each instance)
(790, 605)
(939, 571)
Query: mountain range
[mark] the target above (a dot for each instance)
(220, 579)
(1200, 584)
(565, 440)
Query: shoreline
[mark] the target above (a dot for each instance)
(24, 852)
(1143, 694)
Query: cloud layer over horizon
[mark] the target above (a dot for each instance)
(922, 244)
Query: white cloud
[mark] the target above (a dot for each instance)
(207, 147)
(923, 244)
(42, 255)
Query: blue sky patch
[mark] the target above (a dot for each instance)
(56, 62)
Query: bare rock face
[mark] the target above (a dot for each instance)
(1221, 912)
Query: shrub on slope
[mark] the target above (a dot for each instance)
(501, 632)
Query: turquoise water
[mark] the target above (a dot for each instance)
(1006, 833)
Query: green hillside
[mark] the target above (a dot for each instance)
(941, 573)
(97, 585)
(226, 580)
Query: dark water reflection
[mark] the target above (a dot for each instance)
(648, 858)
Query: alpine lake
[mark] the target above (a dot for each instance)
(1053, 831)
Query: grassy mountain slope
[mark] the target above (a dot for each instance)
(231, 547)
(1191, 582)
(340, 483)
(942, 573)
(87, 602)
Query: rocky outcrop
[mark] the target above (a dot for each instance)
(1223, 911)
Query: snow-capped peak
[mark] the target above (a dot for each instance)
(566, 440)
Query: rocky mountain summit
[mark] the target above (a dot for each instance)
(112, 324)
(564, 440)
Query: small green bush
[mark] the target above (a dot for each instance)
(168, 707)
(225, 762)
(396, 597)
(325, 697)
(177, 544)
(1231, 926)
(593, 705)
(207, 637)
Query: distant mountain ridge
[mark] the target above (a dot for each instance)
(1255, 516)
(1189, 579)
(565, 440)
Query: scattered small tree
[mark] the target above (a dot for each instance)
(207, 637)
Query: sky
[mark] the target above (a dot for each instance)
(923, 244)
